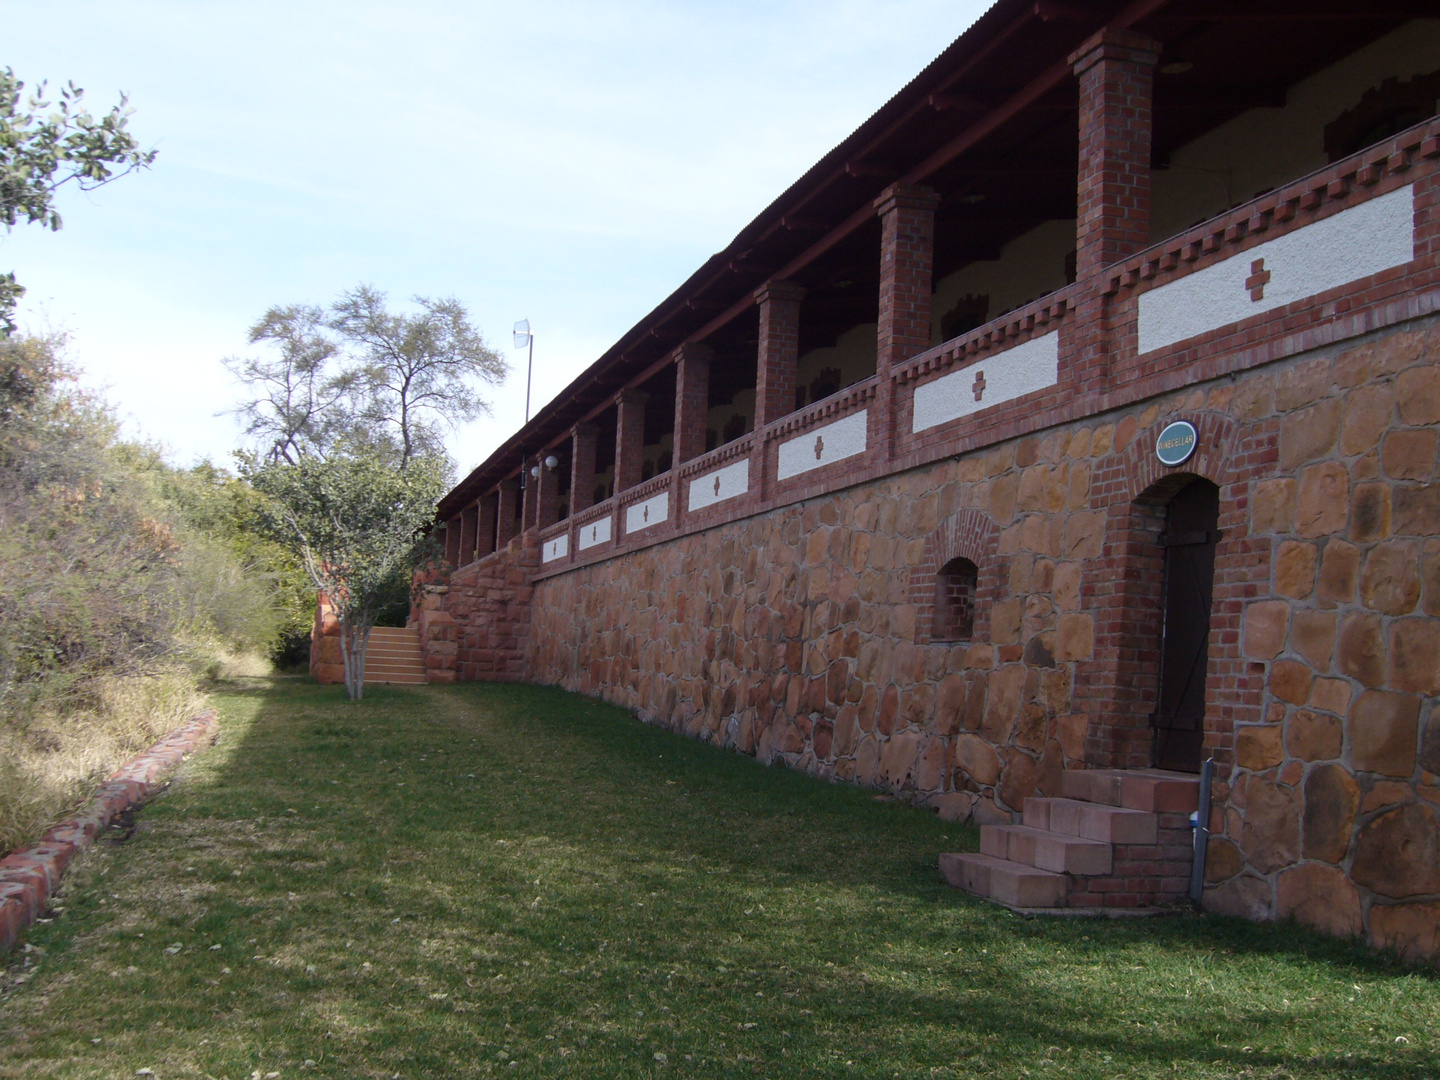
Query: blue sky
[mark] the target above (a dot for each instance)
(567, 162)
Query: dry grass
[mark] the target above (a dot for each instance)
(54, 763)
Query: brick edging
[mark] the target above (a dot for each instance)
(30, 875)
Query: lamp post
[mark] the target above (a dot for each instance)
(525, 339)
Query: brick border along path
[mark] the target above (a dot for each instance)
(29, 876)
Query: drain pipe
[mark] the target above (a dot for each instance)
(1201, 822)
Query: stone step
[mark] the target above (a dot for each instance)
(396, 679)
(1053, 851)
(1005, 882)
(1092, 821)
(1154, 791)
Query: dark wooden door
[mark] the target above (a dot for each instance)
(1189, 542)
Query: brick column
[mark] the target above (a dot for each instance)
(529, 495)
(629, 438)
(485, 533)
(907, 255)
(468, 521)
(692, 401)
(452, 542)
(507, 527)
(547, 501)
(582, 467)
(779, 350)
(1117, 73)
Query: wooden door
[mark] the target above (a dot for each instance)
(1189, 541)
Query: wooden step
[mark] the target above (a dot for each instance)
(1152, 790)
(393, 656)
(1092, 821)
(1056, 852)
(1010, 883)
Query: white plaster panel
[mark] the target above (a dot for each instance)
(652, 511)
(1344, 247)
(823, 446)
(1030, 366)
(714, 487)
(593, 533)
(554, 549)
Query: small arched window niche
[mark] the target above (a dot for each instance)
(955, 586)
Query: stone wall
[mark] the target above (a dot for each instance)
(802, 635)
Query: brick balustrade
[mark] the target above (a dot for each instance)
(1412, 157)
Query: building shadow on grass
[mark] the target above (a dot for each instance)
(496, 783)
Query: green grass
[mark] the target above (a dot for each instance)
(508, 880)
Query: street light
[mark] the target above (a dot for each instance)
(525, 339)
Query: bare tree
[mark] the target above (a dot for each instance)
(419, 371)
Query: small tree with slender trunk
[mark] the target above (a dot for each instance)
(358, 521)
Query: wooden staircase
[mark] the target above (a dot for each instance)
(394, 656)
(1116, 839)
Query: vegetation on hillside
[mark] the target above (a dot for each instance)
(122, 580)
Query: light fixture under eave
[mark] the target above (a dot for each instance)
(551, 461)
(1177, 67)
(535, 471)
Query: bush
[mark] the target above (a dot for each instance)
(122, 581)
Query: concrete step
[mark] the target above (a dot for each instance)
(1154, 791)
(1092, 821)
(1010, 883)
(1053, 851)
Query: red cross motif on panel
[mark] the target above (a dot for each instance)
(979, 386)
(717, 485)
(819, 447)
(1258, 279)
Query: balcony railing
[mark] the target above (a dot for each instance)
(1346, 249)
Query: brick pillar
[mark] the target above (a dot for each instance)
(692, 401)
(485, 533)
(529, 492)
(779, 350)
(507, 527)
(547, 501)
(1116, 69)
(907, 255)
(629, 438)
(452, 542)
(582, 467)
(468, 520)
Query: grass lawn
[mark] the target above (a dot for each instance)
(510, 880)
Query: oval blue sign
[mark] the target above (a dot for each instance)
(1176, 443)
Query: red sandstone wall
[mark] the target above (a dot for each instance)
(490, 601)
(801, 635)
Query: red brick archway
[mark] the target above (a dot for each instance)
(1123, 589)
(966, 534)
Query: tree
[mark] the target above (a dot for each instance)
(358, 522)
(362, 373)
(418, 371)
(42, 151)
(302, 403)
